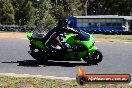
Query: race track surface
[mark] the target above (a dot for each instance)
(15, 59)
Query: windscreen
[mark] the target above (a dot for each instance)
(83, 36)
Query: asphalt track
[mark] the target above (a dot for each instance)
(15, 59)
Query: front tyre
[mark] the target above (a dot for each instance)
(97, 57)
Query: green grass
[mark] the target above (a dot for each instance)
(102, 36)
(30, 82)
(122, 37)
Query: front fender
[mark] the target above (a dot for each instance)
(92, 50)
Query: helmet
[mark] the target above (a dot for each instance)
(62, 22)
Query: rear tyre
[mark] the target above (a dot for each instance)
(42, 58)
(39, 57)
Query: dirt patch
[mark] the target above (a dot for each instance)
(23, 35)
(12, 35)
(110, 40)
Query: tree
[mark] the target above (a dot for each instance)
(57, 10)
(46, 20)
(1, 12)
(29, 17)
(19, 7)
(75, 7)
(45, 12)
(109, 7)
(7, 12)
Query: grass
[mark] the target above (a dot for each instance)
(31, 82)
(122, 37)
(96, 36)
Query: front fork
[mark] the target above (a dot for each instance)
(92, 50)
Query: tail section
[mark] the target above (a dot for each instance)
(29, 35)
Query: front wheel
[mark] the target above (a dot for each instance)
(95, 58)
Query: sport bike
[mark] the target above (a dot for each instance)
(84, 42)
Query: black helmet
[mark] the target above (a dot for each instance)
(62, 22)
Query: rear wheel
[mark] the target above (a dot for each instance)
(39, 56)
(41, 59)
(95, 58)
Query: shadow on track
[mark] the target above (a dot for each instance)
(26, 63)
(33, 63)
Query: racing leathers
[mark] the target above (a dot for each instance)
(56, 35)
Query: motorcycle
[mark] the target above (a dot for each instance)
(85, 50)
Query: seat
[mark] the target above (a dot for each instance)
(38, 36)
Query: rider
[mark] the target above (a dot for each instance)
(58, 33)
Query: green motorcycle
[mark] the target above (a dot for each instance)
(85, 50)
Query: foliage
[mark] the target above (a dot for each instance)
(45, 18)
(109, 7)
(34, 82)
(29, 14)
(44, 13)
(7, 12)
